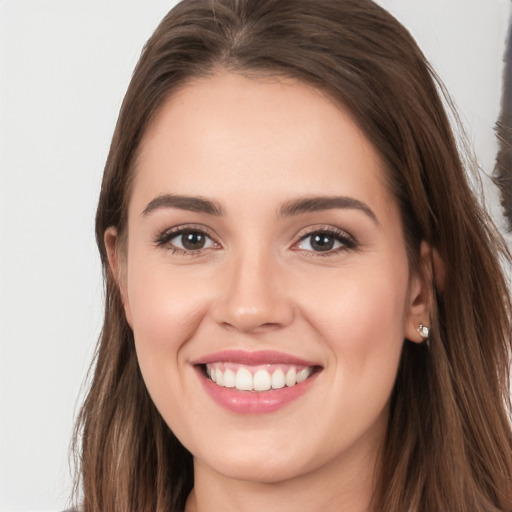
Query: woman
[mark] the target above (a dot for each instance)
(305, 308)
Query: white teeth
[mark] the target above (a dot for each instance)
(302, 375)
(291, 377)
(243, 380)
(262, 378)
(229, 379)
(278, 381)
(262, 381)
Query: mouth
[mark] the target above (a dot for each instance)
(255, 382)
(258, 378)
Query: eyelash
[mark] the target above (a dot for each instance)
(347, 241)
(164, 239)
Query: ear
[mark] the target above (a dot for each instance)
(117, 266)
(430, 272)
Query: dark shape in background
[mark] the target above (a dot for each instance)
(503, 169)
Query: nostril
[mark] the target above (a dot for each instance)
(250, 302)
(247, 327)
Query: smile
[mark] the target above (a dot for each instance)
(247, 382)
(257, 378)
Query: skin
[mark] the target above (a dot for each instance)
(252, 145)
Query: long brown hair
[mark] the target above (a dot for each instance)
(448, 446)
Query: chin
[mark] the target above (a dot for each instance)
(270, 471)
(260, 463)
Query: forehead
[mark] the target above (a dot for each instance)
(230, 136)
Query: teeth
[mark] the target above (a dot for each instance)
(278, 381)
(243, 380)
(291, 377)
(229, 379)
(256, 378)
(301, 376)
(262, 381)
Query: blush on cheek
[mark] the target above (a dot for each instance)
(164, 309)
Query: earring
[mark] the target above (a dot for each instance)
(424, 331)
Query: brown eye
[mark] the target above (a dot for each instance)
(186, 240)
(322, 242)
(326, 242)
(192, 240)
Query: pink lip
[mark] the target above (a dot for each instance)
(253, 402)
(253, 358)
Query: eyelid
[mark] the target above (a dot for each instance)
(349, 242)
(164, 237)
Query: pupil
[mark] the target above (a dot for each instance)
(322, 242)
(193, 240)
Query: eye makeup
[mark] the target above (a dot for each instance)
(193, 239)
(325, 241)
(186, 240)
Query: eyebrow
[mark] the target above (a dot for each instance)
(190, 203)
(319, 203)
(288, 209)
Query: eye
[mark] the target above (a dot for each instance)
(191, 241)
(186, 240)
(328, 241)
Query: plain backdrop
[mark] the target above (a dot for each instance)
(64, 68)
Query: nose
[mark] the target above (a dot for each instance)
(253, 297)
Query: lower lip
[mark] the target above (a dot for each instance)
(255, 402)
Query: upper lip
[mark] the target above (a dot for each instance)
(253, 358)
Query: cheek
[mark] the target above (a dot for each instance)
(360, 318)
(365, 332)
(166, 308)
(164, 304)
(358, 306)
(166, 311)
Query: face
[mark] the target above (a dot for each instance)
(266, 253)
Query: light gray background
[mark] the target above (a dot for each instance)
(64, 67)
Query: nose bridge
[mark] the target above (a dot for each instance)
(253, 296)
